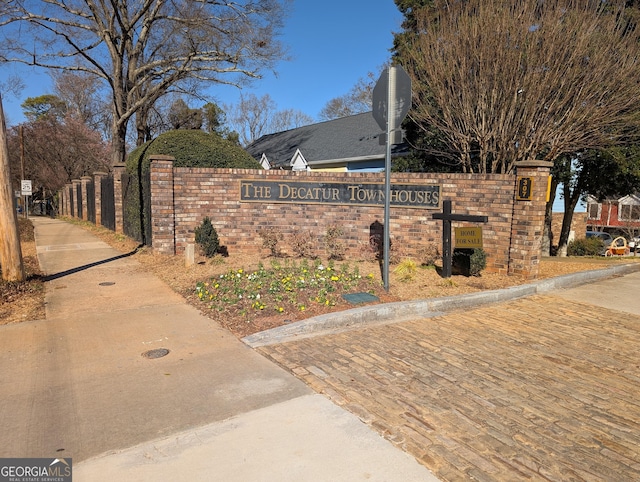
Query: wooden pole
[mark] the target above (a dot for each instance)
(23, 198)
(10, 252)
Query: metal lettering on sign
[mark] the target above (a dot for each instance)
(525, 189)
(363, 194)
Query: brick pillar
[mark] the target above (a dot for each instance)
(67, 199)
(97, 189)
(162, 208)
(62, 200)
(118, 171)
(75, 200)
(84, 180)
(71, 211)
(527, 225)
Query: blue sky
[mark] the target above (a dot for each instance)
(332, 44)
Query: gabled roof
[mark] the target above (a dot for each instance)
(628, 199)
(348, 139)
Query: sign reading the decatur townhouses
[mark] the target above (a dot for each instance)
(362, 194)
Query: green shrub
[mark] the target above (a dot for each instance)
(469, 262)
(478, 262)
(585, 247)
(207, 238)
(190, 148)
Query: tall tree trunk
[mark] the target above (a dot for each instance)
(10, 253)
(570, 202)
(547, 240)
(142, 126)
(119, 142)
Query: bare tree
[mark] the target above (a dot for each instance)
(356, 101)
(510, 81)
(254, 117)
(251, 116)
(81, 93)
(144, 48)
(289, 119)
(56, 152)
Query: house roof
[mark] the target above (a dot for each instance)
(347, 139)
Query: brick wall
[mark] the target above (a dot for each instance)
(578, 225)
(182, 197)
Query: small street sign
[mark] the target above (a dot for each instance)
(25, 187)
(394, 81)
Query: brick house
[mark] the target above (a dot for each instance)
(616, 216)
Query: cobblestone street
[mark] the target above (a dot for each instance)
(540, 388)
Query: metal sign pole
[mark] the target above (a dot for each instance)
(391, 100)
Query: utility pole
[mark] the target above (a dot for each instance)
(23, 197)
(10, 252)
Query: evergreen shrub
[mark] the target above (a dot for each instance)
(190, 148)
(207, 238)
(469, 262)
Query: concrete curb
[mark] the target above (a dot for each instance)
(428, 308)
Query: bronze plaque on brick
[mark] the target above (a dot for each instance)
(362, 194)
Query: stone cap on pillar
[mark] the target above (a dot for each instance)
(161, 157)
(533, 164)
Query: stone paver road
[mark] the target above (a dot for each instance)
(541, 388)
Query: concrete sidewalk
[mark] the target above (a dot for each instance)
(78, 385)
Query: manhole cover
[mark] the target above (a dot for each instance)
(157, 353)
(107, 283)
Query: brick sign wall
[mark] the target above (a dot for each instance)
(241, 202)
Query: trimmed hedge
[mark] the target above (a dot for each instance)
(190, 148)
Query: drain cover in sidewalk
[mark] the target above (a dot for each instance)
(107, 283)
(356, 298)
(157, 353)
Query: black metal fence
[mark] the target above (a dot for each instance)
(79, 200)
(91, 202)
(107, 203)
